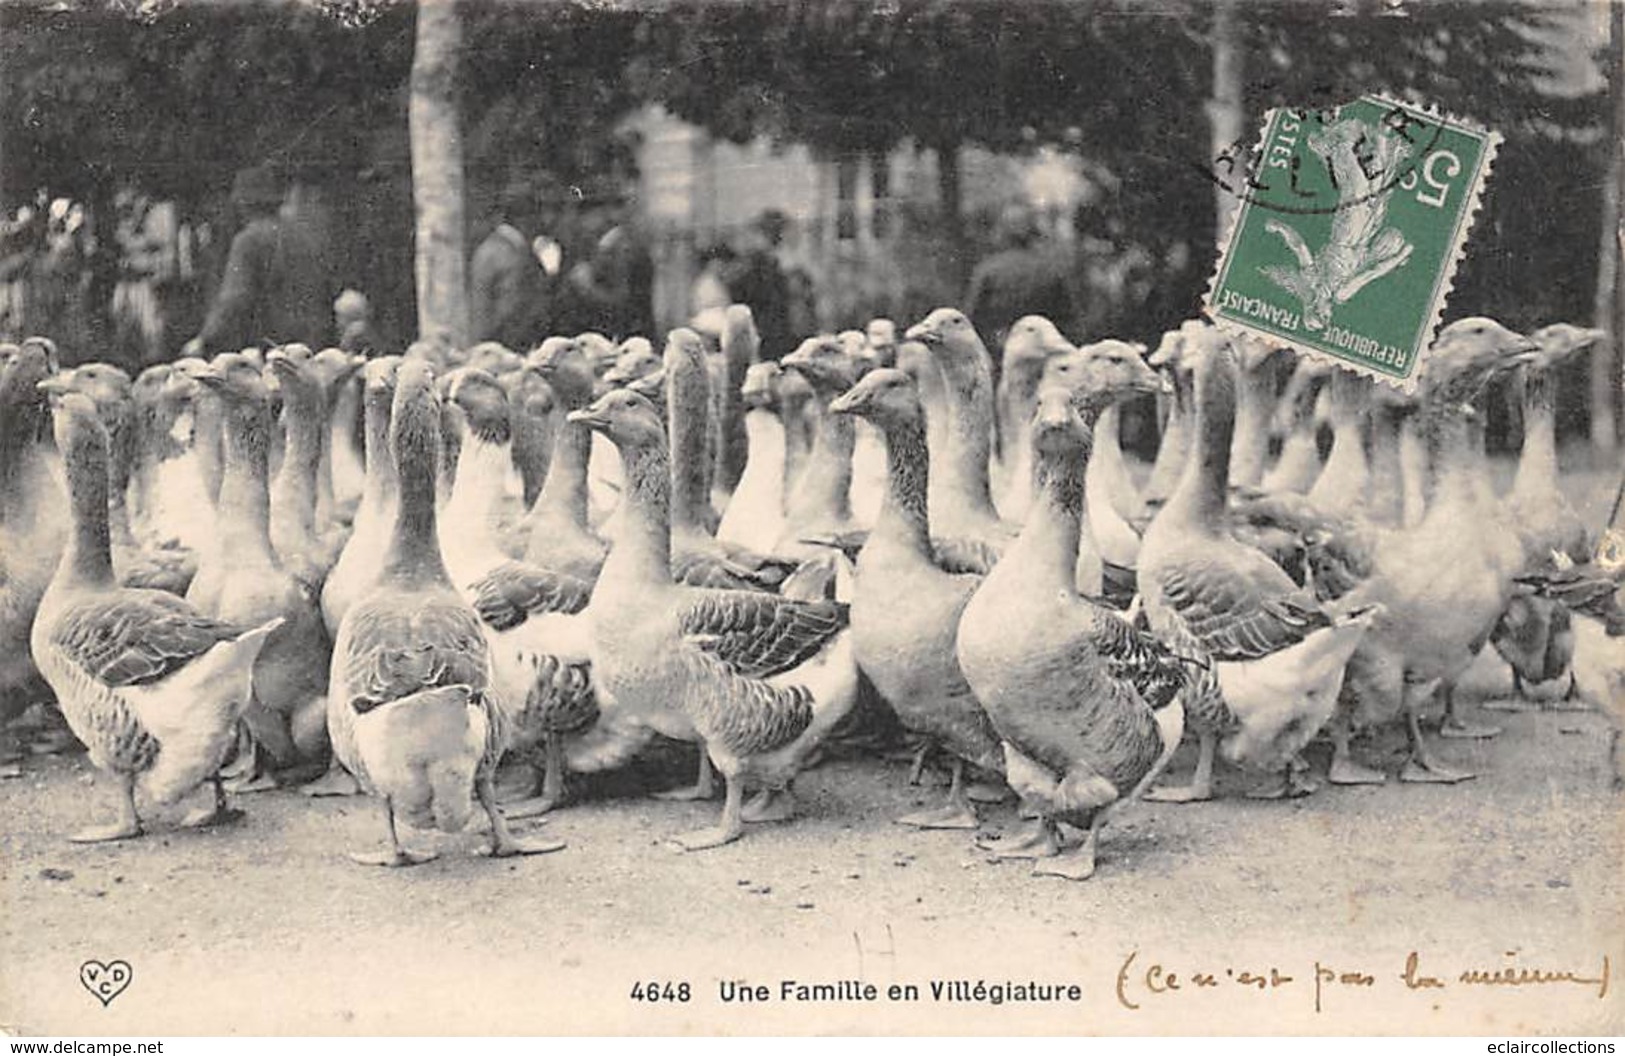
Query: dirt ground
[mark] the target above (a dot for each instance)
(266, 927)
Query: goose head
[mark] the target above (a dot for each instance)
(601, 352)
(629, 420)
(950, 337)
(634, 362)
(761, 389)
(564, 365)
(25, 383)
(296, 377)
(685, 349)
(1028, 344)
(604, 357)
(334, 366)
(1103, 373)
(480, 401)
(886, 396)
(1467, 354)
(1255, 352)
(107, 386)
(378, 380)
(652, 387)
(237, 382)
(80, 435)
(529, 392)
(414, 421)
(494, 358)
(1559, 341)
(824, 364)
(1060, 429)
(740, 338)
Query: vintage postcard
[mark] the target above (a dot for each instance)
(866, 517)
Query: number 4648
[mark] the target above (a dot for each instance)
(660, 991)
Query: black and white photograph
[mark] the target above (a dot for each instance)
(1015, 518)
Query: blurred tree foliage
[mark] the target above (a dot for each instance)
(173, 98)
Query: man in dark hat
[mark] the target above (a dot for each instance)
(275, 286)
(759, 281)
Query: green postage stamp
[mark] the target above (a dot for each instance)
(1351, 222)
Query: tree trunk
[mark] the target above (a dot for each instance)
(1610, 313)
(1226, 111)
(437, 173)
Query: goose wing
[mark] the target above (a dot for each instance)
(759, 635)
(137, 637)
(395, 652)
(514, 591)
(1239, 605)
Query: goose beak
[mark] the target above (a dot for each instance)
(204, 372)
(924, 333)
(852, 402)
(589, 419)
(56, 385)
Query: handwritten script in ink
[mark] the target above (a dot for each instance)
(1142, 981)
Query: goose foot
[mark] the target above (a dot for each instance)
(531, 807)
(126, 826)
(770, 804)
(212, 818)
(1429, 772)
(336, 782)
(728, 828)
(511, 846)
(1349, 772)
(216, 814)
(8, 771)
(1456, 725)
(1036, 841)
(123, 829)
(1458, 729)
(948, 816)
(504, 844)
(265, 782)
(1200, 790)
(703, 788)
(396, 858)
(1290, 783)
(1074, 863)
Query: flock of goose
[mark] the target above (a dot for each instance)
(296, 568)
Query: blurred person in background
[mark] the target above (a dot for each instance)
(1025, 276)
(511, 296)
(613, 290)
(352, 319)
(758, 280)
(275, 286)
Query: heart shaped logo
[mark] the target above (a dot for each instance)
(105, 981)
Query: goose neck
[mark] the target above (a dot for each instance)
(904, 515)
(642, 552)
(243, 508)
(1537, 462)
(1200, 497)
(565, 488)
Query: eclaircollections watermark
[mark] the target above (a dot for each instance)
(1351, 222)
